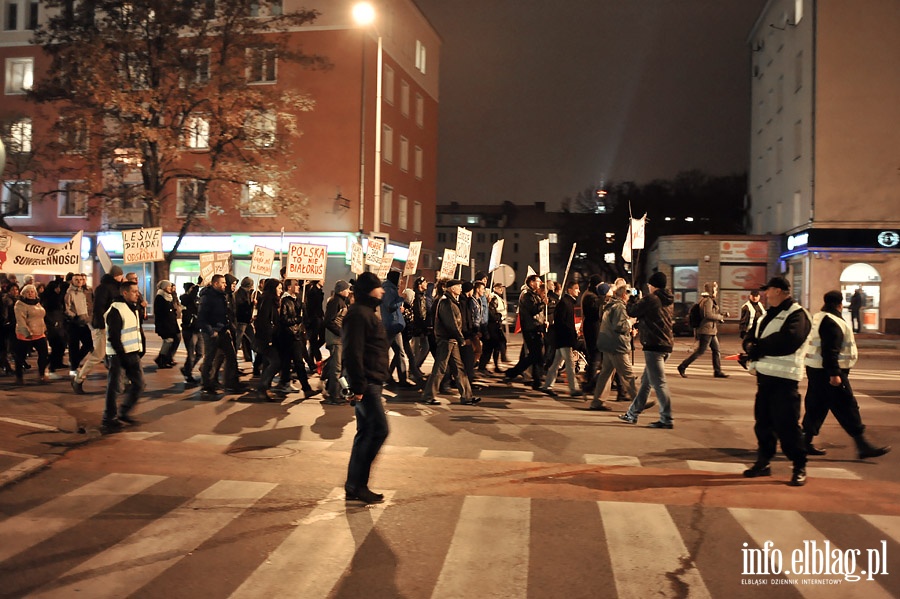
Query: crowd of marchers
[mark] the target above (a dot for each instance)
(280, 326)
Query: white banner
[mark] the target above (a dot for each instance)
(357, 261)
(637, 232)
(496, 255)
(306, 262)
(463, 245)
(385, 267)
(412, 258)
(448, 264)
(142, 245)
(21, 254)
(544, 256)
(262, 260)
(375, 251)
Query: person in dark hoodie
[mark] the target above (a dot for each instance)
(215, 327)
(290, 339)
(267, 322)
(365, 360)
(228, 355)
(125, 347)
(106, 292)
(166, 322)
(335, 311)
(654, 315)
(53, 301)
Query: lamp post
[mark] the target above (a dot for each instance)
(364, 14)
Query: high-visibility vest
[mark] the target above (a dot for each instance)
(848, 354)
(785, 367)
(131, 329)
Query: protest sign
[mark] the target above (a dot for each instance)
(262, 260)
(375, 251)
(463, 245)
(357, 261)
(496, 254)
(385, 267)
(307, 262)
(412, 258)
(544, 256)
(448, 264)
(142, 245)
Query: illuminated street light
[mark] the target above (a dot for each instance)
(365, 16)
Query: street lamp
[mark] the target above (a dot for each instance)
(364, 15)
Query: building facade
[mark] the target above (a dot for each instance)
(823, 148)
(366, 161)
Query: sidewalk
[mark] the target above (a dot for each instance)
(39, 423)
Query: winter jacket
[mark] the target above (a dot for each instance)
(365, 345)
(709, 307)
(654, 314)
(243, 305)
(107, 292)
(213, 314)
(267, 310)
(290, 321)
(531, 311)
(70, 304)
(335, 311)
(615, 329)
(165, 316)
(448, 319)
(565, 334)
(30, 319)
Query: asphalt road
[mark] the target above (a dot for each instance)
(522, 496)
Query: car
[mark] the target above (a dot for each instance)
(681, 326)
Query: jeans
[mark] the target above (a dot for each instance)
(710, 341)
(398, 361)
(654, 376)
(245, 330)
(220, 347)
(447, 349)
(371, 432)
(80, 343)
(333, 367)
(191, 341)
(98, 338)
(563, 354)
(272, 359)
(131, 365)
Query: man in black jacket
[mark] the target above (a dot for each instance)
(566, 337)
(365, 360)
(290, 339)
(335, 310)
(106, 293)
(532, 317)
(214, 322)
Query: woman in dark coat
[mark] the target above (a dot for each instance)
(166, 317)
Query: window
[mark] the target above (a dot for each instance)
(404, 98)
(387, 204)
(779, 159)
(419, 162)
(73, 134)
(18, 136)
(191, 198)
(402, 214)
(420, 111)
(196, 66)
(197, 133)
(387, 86)
(798, 139)
(404, 154)
(12, 16)
(261, 127)
(387, 143)
(133, 69)
(442, 237)
(258, 199)
(16, 198)
(33, 15)
(261, 64)
(72, 198)
(479, 237)
(420, 57)
(798, 71)
(417, 217)
(19, 75)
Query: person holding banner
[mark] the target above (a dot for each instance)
(107, 292)
(31, 333)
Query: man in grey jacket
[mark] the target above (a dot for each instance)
(707, 334)
(614, 342)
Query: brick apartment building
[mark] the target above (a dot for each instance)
(336, 153)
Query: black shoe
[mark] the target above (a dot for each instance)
(364, 495)
(308, 393)
(236, 389)
(813, 450)
(872, 452)
(406, 385)
(721, 375)
(128, 420)
(798, 478)
(209, 393)
(190, 381)
(265, 395)
(681, 371)
(431, 402)
(471, 401)
(599, 406)
(660, 424)
(77, 387)
(758, 469)
(111, 426)
(549, 392)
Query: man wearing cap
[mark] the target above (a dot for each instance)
(776, 350)
(654, 315)
(107, 291)
(832, 353)
(566, 338)
(751, 311)
(365, 362)
(335, 310)
(494, 335)
(532, 307)
(449, 337)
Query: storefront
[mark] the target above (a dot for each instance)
(868, 260)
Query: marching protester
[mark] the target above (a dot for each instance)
(614, 346)
(313, 318)
(532, 307)
(31, 333)
(166, 322)
(565, 338)
(244, 305)
(9, 293)
(494, 339)
(125, 345)
(335, 310)
(394, 323)
(190, 333)
(53, 300)
(79, 304)
(107, 291)
(832, 353)
(267, 322)
(213, 321)
(290, 339)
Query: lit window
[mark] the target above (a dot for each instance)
(197, 133)
(16, 199)
(402, 212)
(404, 154)
(420, 56)
(387, 143)
(191, 198)
(196, 66)
(261, 127)
(18, 140)
(258, 199)
(261, 63)
(387, 204)
(471, 220)
(72, 198)
(19, 75)
(387, 85)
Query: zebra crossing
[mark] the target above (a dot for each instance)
(481, 546)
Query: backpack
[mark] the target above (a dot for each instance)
(695, 316)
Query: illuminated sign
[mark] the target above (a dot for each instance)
(797, 240)
(888, 239)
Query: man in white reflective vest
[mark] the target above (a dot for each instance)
(124, 346)
(831, 354)
(776, 349)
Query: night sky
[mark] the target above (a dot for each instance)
(540, 99)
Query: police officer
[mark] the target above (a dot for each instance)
(832, 353)
(776, 349)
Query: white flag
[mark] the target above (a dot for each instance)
(626, 247)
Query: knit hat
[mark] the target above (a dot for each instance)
(834, 298)
(116, 271)
(467, 286)
(365, 283)
(163, 285)
(658, 280)
(394, 277)
(603, 289)
(341, 285)
(247, 283)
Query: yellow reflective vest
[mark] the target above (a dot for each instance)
(789, 366)
(848, 354)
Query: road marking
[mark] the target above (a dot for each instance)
(127, 566)
(312, 559)
(137, 435)
(44, 521)
(36, 425)
(611, 460)
(738, 468)
(889, 525)
(21, 468)
(506, 455)
(787, 531)
(400, 450)
(213, 439)
(646, 550)
(481, 563)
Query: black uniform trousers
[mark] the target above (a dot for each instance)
(823, 397)
(777, 414)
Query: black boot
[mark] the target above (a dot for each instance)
(867, 450)
(810, 448)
